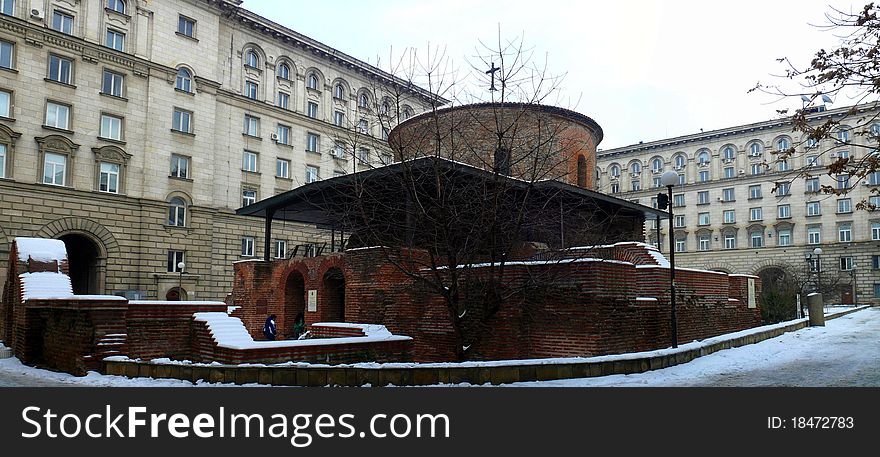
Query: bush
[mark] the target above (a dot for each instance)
(778, 306)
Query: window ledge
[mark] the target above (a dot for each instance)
(7, 119)
(702, 204)
(181, 132)
(286, 145)
(756, 198)
(783, 218)
(313, 152)
(117, 13)
(255, 173)
(111, 140)
(843, 212)
(253, 137)
(284, 179)
(60, 83)
(186, 92)
(115, 97)
(183, 35)
(57, 129)
(178, 178)
(813, 215)
(11, 70)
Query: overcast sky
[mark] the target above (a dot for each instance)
(644, 70)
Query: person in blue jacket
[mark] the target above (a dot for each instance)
(269, 330)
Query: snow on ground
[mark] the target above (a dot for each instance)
(846, 352)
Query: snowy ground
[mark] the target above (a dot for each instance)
(844, 353)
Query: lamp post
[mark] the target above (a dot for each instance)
(818, 252)
(670, 179)
(180, 267)
(852, 273)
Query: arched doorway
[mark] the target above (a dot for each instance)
(176, 294)
(294, 302)
(333, 296)
(85, 264)
(778, 294)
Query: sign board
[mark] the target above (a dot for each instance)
(313, 301)
(752, 299)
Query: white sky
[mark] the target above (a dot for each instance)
(644, 70)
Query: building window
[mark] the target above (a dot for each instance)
(251, 59)
(6, 7)
(386, 159)
(6, 53)
(680, 161)
(283, 100)
(54, 169)
(703, 219)
(755, 192)
(615, 188)
(814, 208)
(312, 110)
(873, 178)
(656, 182)
(783, 237)
(57, 115)
(703, 197)
(338, 118)
(876, 290)
(363, 101)
(251, 89)
(783, 189)
(60, 69)
(247, 246)
(812, 185)
(280, 249)
(813, 161)
(846, 263)
(729, 172)
(680, 244)
(311, 174)
(5, 104)
(184, 80)
(678, 201)
(248, 197)
(249, 161)
(844, 205)
(635, 168)
(363, 156)
(62, 22)
(108, 180)
(115, 40)
(728, 153)
(284, 71)
(283, 134)
(111, 127)
(757, 239)
(703, 158)
(782, 144)
(842, 181)
(755, 150)
(844, 233)
(729, 241)
(251, 126)
(112, 83)
(679, 221)
(756, 214)
(363, 127)
(704, 243)
(784, 165)
(757, 169)
(843, 135)
(179, 166)
(656, 164)
(681, 179)
(177, 212)
(312, 141)
(875, 262)
(313, 81)
(874, 203)
(875, 231)
(814, 235)
(703, 176)
(2, 160)
(728, 194)
(116, 5)
(338, 92)
(614, 170)
(282, 168)
(186, 26)
(182, 121)
(636, 185)
(730, 216)
(783, 212)
(175, 258)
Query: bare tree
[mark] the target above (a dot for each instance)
(849, 70)
(476, 187)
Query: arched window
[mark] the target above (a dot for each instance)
(338, 91)
(177, 212)
(635, 168)
(407, 112)
(703, 158)
(680, 161)
(385, 108)
(843, 134)
(782, 144)
(875, 130)
(251, 59)
(614, 171)
(116, 5)
(284, 71)
(363, 100)
(728, 153)
(313, 81)
(755, 149)
(657, 164)
(184, 80)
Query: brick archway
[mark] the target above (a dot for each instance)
(88, 232)
(331, 307)
(294, 302)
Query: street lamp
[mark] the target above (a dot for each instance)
(852, 273)
(818, 252)
(180, 267)
(670, 179)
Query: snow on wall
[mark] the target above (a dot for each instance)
(41, 249)
(230, 332)
(45, 285)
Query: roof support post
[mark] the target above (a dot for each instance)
(267, 247)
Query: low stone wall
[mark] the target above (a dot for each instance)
(429, 374)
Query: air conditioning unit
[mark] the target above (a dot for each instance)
(742, 172)
(37, 13)
(721, 199)
(754, 154)
(274, 137)
(679, 168)
(833, 155)
(634, 175)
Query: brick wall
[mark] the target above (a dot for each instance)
(162, 329)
